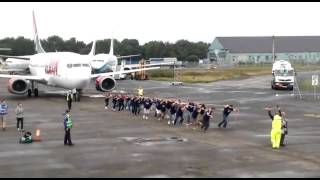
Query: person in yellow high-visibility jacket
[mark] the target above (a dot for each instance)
(276, 131)
(140, 91)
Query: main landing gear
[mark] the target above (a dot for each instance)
(34, 90)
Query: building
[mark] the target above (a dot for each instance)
(237, 50)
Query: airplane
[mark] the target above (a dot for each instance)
(21, 66)
(67, 70)
(102, 63)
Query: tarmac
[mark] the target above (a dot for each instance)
(118, 144)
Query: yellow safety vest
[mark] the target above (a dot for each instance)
(140, 92)
(276, 123)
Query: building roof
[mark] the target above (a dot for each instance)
(263, 44)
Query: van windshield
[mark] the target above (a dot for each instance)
(284, 72)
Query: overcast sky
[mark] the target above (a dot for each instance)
(164, 21)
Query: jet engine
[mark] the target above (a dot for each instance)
(105, 83)
(17, 86)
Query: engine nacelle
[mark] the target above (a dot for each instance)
(17, 86)
(105, 83)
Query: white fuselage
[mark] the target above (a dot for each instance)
(62, 69)
(102, 63)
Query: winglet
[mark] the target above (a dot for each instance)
(37, 43)
(93, 49)
(111, 47)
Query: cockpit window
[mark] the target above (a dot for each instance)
(69, 65)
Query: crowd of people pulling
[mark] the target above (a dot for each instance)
(175, 111)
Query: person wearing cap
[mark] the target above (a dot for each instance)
(67, 126)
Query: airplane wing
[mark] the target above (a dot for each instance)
(16, 57)
(121, 72)
(35, 78)
(146, 65)
(123, 57)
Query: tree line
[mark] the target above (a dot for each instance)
(182, 49)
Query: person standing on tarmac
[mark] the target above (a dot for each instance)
(67, 126)
(106, 101)
(284, 124)
(275, 134)
(69, 100)
(3, 112)
(140, 91)
(19, 115)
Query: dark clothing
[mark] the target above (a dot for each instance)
(227, 110)
(69, 101)
(224, 121)
(121, 104)
(20, 121)
(67, 137)
(147, 104)
(195, 113)
(163, 107)
(106, 100)
(271, 115)
(284, 131)
(114, 101)
(282, 139)
(179, 114)
(206, 120)
(190, 108)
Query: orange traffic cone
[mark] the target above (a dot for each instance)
(37, 137)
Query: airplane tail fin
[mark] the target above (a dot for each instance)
(93, 49)
(111, 47)
(37, 42)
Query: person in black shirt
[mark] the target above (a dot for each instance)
(147, 106)
(121, 103)
(179, 115)
(206, 119)
(114, 101)
(189, 111)
(173, 110)
(163, 109)
(194, 116)
(226, 111)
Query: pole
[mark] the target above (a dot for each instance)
(297, 86)
(314, 92)
(273, 57)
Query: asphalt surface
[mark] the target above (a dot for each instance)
(119, 144)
